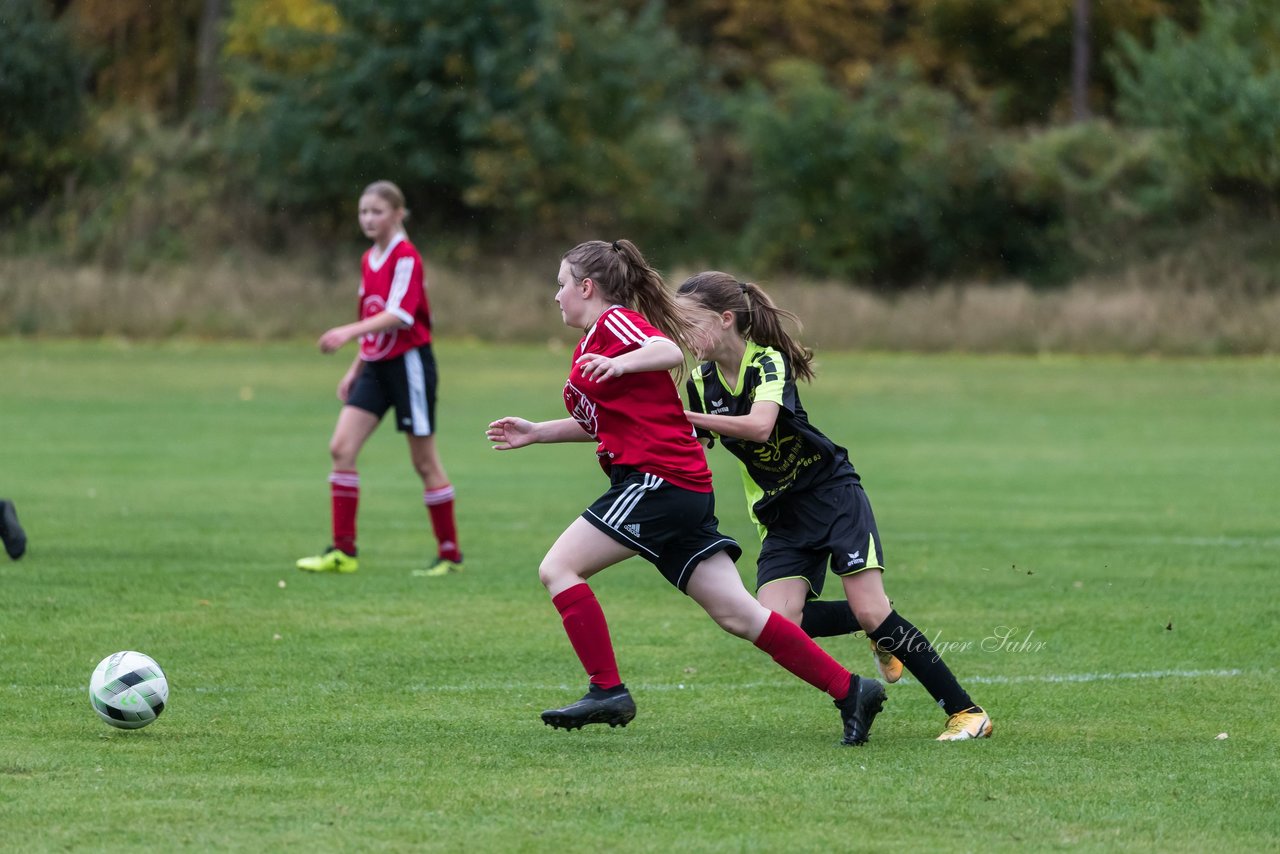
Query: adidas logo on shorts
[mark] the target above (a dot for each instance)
(633, 530)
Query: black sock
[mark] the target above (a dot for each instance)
(828, 618)
(913, 649)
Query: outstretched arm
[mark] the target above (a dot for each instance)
(334, 338)
(510, 433)
(657, 354)
(755, 426)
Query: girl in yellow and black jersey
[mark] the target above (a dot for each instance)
(803, 491)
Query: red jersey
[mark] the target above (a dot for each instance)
(393, 281)
(637, 418)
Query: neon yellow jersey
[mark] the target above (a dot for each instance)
(796, 457)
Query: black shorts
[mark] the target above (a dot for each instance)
(407, 382)
(675, 529)
(832, 526)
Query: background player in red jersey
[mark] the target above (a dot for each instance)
(801, 488)
(659, 504)
(394, 368)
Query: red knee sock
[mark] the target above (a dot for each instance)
(796, 651)
(585, 625)
(440, 505)
(344, 497)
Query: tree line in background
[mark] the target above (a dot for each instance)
(879, 141)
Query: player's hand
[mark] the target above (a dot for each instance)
(333, 339)
(599, 368)
(344, 386)
(510, 433)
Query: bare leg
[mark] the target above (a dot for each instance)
(865, 592)
(353, 429)
(717, 587)
(580, 552)
(786, 596)
(426, 461)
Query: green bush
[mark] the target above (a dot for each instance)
(888, 186)
(504, 117)
(41, 107)
(146, 193)
(1095, 192)
(592, 139)
(1216, 91)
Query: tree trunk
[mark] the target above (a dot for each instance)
(1080, 62)
(209, 84)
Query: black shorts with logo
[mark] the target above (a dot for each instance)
(829, 526)
(673, 528)
(407, 382)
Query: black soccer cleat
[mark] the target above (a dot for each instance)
(859, 709)
(11, 533)
(598, 706)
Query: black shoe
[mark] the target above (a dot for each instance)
(859, 709)
(613, 707)
(11, 533)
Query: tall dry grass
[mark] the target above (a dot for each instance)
(1181, 304)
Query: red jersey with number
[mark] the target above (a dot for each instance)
(393, 281)
(637, 418)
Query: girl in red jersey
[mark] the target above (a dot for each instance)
(394, 368)
(801, 488)
(659, 504)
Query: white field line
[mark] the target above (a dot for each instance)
(1052, 678)
(1047, 678)
(1116, 540)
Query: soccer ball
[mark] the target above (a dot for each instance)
(128, 690)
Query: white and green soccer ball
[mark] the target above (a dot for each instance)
(128, 690)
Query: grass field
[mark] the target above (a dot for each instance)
(1114, 520)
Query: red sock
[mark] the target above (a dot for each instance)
(440, 505)
(344, 496)
(585, 625)
(797, 652)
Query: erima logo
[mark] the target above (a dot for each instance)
(718, 402)
(633, 530)
(855, 558)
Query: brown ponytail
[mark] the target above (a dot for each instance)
(625, 277)
(755, 315)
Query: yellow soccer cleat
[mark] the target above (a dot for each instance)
(887, 663)
(442, 567)
(332, 560)
(971, 723)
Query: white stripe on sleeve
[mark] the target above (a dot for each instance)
(399, 288)
(625, 330)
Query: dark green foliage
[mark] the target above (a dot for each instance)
(1088, 194)
(522, 114)
(592, 135)
(1023, 75)
(740, 132)
(902, 183)
(151, 193)
(892, 185)
(390, 98)
(1216, 91)
(41, 106)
